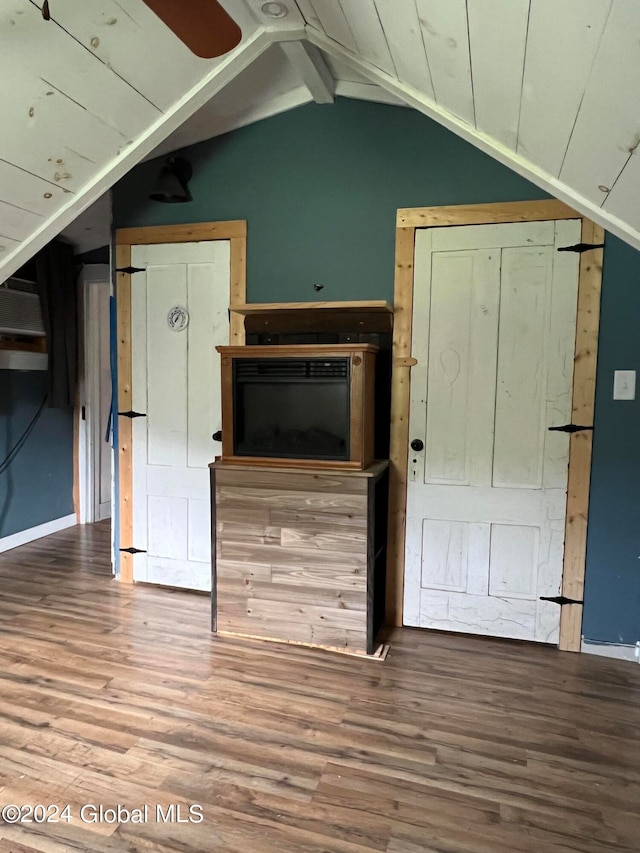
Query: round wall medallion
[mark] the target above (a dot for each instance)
(178, 318)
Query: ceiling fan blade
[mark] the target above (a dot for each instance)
(203, 25)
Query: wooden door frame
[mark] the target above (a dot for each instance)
(583, 398)
(236, 232)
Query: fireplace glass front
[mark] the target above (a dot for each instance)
(295, 408)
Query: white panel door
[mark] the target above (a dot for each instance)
(176, 382)
(102, 402)
(95, 444)
(493, 335)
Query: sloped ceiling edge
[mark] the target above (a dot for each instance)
(238, 59)
(414, 98)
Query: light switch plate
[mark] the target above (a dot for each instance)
(624, 385)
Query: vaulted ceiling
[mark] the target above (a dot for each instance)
(548, 87)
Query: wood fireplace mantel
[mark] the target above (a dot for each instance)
(359, 306)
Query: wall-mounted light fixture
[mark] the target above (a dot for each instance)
(172, 183)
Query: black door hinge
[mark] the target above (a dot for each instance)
(570, 428)
(581, 247)
(83, 413)
(131, 414)
(133, 550)
(131, 270)
(560, 599)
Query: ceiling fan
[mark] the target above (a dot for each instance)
(203, 25)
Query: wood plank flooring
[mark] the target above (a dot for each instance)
(112, 695)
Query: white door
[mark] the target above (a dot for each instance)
(176, 383)
(493, 334)
(100, 399)
(94, 455)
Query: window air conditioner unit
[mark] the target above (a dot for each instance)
(20, 311)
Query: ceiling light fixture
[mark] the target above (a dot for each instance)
(172, 183)
(274, 10)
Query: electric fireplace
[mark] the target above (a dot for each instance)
(310, 406)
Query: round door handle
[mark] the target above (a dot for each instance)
(417, 444)
(217, 436)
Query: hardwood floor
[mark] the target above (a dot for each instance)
(119, 695)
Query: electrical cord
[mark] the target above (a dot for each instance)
(17, 447)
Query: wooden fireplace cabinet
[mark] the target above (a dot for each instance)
(299, 556)
(361, 451)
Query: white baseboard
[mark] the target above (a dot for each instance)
(24, 536)
(619, 651)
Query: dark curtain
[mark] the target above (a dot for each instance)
(56, 281)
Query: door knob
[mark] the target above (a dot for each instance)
(217, 436)
(417, 444)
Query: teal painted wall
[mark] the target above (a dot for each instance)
(320, 187)
(612, 593)
(38, 486)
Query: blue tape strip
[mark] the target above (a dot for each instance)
(113, 427)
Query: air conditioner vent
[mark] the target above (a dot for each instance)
(22, 285)
(20, 312)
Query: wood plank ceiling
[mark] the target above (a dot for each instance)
(85, 96)
(548, 87)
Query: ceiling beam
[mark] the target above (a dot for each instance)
(413, 98)
(367, 92)
(308, 62)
